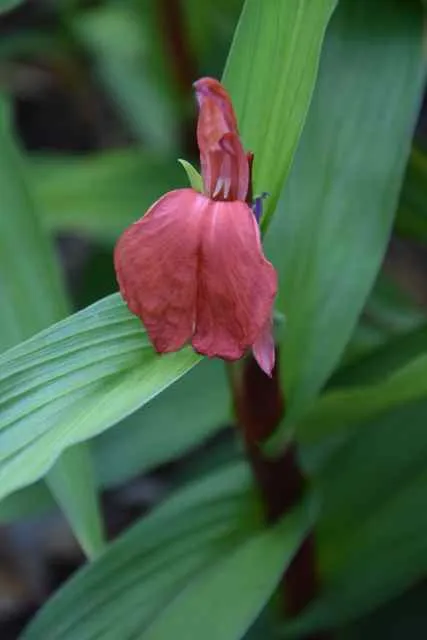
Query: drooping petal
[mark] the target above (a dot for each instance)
(224, 164)
(156, 266)
(263, 349)
(236, 284)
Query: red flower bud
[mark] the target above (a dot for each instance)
(193, 268)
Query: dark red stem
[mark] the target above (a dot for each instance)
(260, 407)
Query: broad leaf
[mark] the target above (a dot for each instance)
(371, 532)
(28, 502)
(225, 600)
(270, 73)
(382, 361)
(179, 419)
(329, 236)
(121, 592)
(31, 298)
(171, 574)
(73, 381)
(337, 411)
(7, 5)
(68, 481)
(117, 41)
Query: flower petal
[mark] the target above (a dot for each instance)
(156, 266)
(224, 164)
(236, 284)
(263, 349)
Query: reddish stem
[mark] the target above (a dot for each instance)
(260, 407)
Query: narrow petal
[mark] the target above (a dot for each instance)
(263, 349)
(236, 284)
(224, 164)
(156, 266)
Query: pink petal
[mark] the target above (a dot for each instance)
(263, 349)
(236, 284)
(224, 164)
(156, 266)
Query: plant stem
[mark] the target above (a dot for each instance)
(260, 407)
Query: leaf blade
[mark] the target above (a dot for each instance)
(33, 297)
(74, 380)
(375, 55)
(284, 40)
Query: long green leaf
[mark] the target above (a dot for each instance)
(7, 5)
(179, 419)
(225, 600)
(382, 361)
(30, 285)
(28, 502)
(173, 572)
(337, 411)
(68, 481)
(329, 237)
(119, 594)
(32, 298)
(117, 42)
(73, 381)
(371, 533)
(270, 72)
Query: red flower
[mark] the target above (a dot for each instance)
(193, 268)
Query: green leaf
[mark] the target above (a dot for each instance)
(8, 5)
(226, 599)
(193, 175)
(181, 418)
(121, 47)
(68, 481)
(329, 236)
(32, 297)
(337, 411)
(270, 73)
(119, 594)
(100, 194)
(28, 502)
(73, 381)
(31, 289)
(388, 555)
(194, 555)
(371, 533)
(177, 421)
(383, 360)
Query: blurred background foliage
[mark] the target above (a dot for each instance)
(98, 94)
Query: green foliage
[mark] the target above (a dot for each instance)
(182, 417)
(194, 177)
(7, 5)
(370, 532)
(73, 381)
(173, 572)
(32, 297)
(337, 208)
(270, 73)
